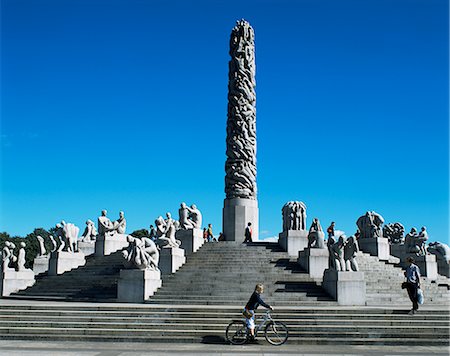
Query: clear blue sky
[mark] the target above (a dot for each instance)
(121, 105)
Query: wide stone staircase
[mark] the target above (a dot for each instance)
(95, 281)
(209, 290)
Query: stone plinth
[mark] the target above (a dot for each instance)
(136, 286)
(443, 268)
(87, 248)
(348, 288)
(61, 262)
(427, 264)
(293, 241)
(398, 250)
(377, 246)
(237, 213)
(314, 261)
(170, 259)
(191, 240)
(40, 264)
(106, 245)
(12, 281)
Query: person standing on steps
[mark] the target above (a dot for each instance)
(412, 275)
(210, 234)
(249, 311)
(205, 234)
(330, 229)
(248, 233)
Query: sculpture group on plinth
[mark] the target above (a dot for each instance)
(190, 234)
(314, 258)
(67, 255)
(14, 276)
(40, 263)
(295, 237)
(240, 205)
(442, 253)
(166, 230)
(111, 234)
(141, 277)
(394, 232)
(90, 232)
(371, 239)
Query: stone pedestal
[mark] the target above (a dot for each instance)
(314, 261)
(443, 268)
(348, 288)
(293, 241)
(378, 246)
(87, 248)
(170, 259)
(12, 281)
(191, 240)
(237, 213)
(61, 262)
(136, 286)
(428, 265)
(105, 245)
(40, 264)
(398, 250)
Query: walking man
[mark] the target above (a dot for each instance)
(248, 233)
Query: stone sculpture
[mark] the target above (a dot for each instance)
(331, 260)
(105, 226)
(394, 232)
(350, 251)
(21, 258)
(370, 225)
(120, 224)
(71, 235)
(190, 217)
(240, 167)
(42, 250)
(90, 232)
(316, 235)
(165, 230)
(54, 244)
(141, 254)
(415, 243)
(185, 222)
(441, 250)
(294, 215)
(8, 256)
(337, 252)
(62, 244)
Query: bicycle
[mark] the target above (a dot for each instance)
(275, 332)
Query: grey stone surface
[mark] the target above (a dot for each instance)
(40, 264)
(86, 248)
(237, 213)
(348, 288)
(171, 259)
(12, 281)
(442, 253)
(137, 285)
(191, 240)
(63, 261)
(293, 241)
(314, 261)
(378, 246)
(107, 244)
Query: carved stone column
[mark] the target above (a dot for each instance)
(241, 205)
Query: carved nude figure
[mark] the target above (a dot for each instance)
(316, 235)
(42, 250)
(7, 255)
(195, 216)
(185, 222)
(350, 251)
(120, 224)
(337, 250)
(141, 254)
(105, 226)
(54, 244)
(90, 232)
(71, 235)
(21, 257)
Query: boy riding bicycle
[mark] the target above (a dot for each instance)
(249, 311)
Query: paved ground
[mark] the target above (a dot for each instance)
(66, 348)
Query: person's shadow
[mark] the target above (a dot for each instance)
(214, 339)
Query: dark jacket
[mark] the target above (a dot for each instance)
(254, 301)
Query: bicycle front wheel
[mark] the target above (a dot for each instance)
(236, 332)
(276, 333)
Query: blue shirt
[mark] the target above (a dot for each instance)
(254, 301)
(413, 274)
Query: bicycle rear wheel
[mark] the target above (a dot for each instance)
(276, 333)
(236, 332)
